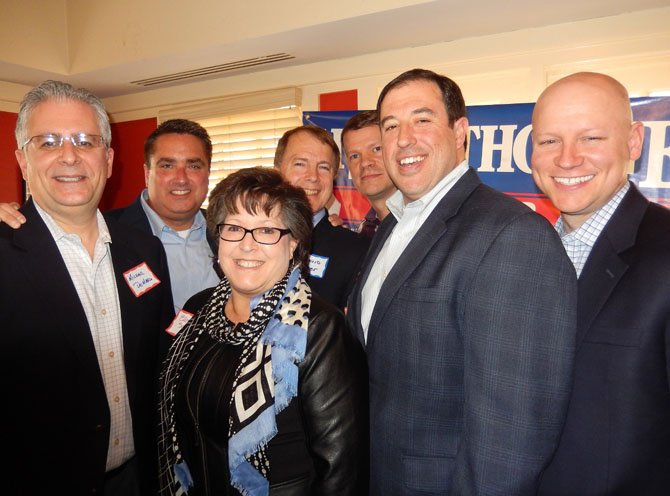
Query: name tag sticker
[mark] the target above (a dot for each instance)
(317, 265)
(178, 323)
(140, 279)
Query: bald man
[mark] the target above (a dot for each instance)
(616, 438)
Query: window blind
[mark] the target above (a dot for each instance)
(244, 129)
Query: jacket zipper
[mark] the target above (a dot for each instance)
(195, 416)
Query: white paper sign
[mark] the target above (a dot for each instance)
(140, 279)
(178, 323)
(317, 265)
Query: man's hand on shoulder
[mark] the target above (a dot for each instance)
(336, 221)
(10, 215)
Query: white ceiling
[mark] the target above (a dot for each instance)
(323, 36)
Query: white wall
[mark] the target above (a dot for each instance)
(505, 68)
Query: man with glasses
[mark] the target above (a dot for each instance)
(83, 303)
(177, 158)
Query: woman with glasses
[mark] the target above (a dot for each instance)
(264, 388)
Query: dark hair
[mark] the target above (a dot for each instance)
(319, 133)
(262, 189)
(178, 126)
(362, 119)
(451, 93)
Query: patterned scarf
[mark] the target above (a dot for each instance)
(273, 342)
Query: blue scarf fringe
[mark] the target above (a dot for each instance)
(288, 344)
(183, 476)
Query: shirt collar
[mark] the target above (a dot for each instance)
(58, 233)
(158, 225)
(396, 202)
(589, 231)
(316, 218)
(372, 216)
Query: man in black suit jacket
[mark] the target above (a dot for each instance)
(616, 438)
(466, 306)
(177, 158)
(83, 306)
(308, 157)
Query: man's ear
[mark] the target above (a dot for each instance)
(110, 162)
(461, 127)
(146, 175)
(23, 163)
(635, 140)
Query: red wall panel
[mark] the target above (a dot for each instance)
(127, 173)
(339, 100)
(11, 184)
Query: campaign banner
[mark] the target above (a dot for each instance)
(499, 149)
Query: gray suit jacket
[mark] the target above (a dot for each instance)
(470, 349)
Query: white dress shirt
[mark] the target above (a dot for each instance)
(411, 217)
(95, 284)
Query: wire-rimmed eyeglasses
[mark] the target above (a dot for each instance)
(262, 235)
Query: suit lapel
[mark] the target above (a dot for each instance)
(44, 268)
(595, 287)
(125, 258)
(421, 244)
(605, 266)
(133, 215)
(376, 245)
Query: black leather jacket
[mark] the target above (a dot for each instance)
(331, 409)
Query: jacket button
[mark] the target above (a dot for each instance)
(99, 428)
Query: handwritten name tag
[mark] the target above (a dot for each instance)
(317, 265)
(178, 323)
(140, 279)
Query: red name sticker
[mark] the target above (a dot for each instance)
(179, 322)
(140, 279)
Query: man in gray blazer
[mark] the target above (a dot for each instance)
(466, 305)
(617, 433)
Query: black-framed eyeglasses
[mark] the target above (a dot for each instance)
(262, 235)
(53, 141)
